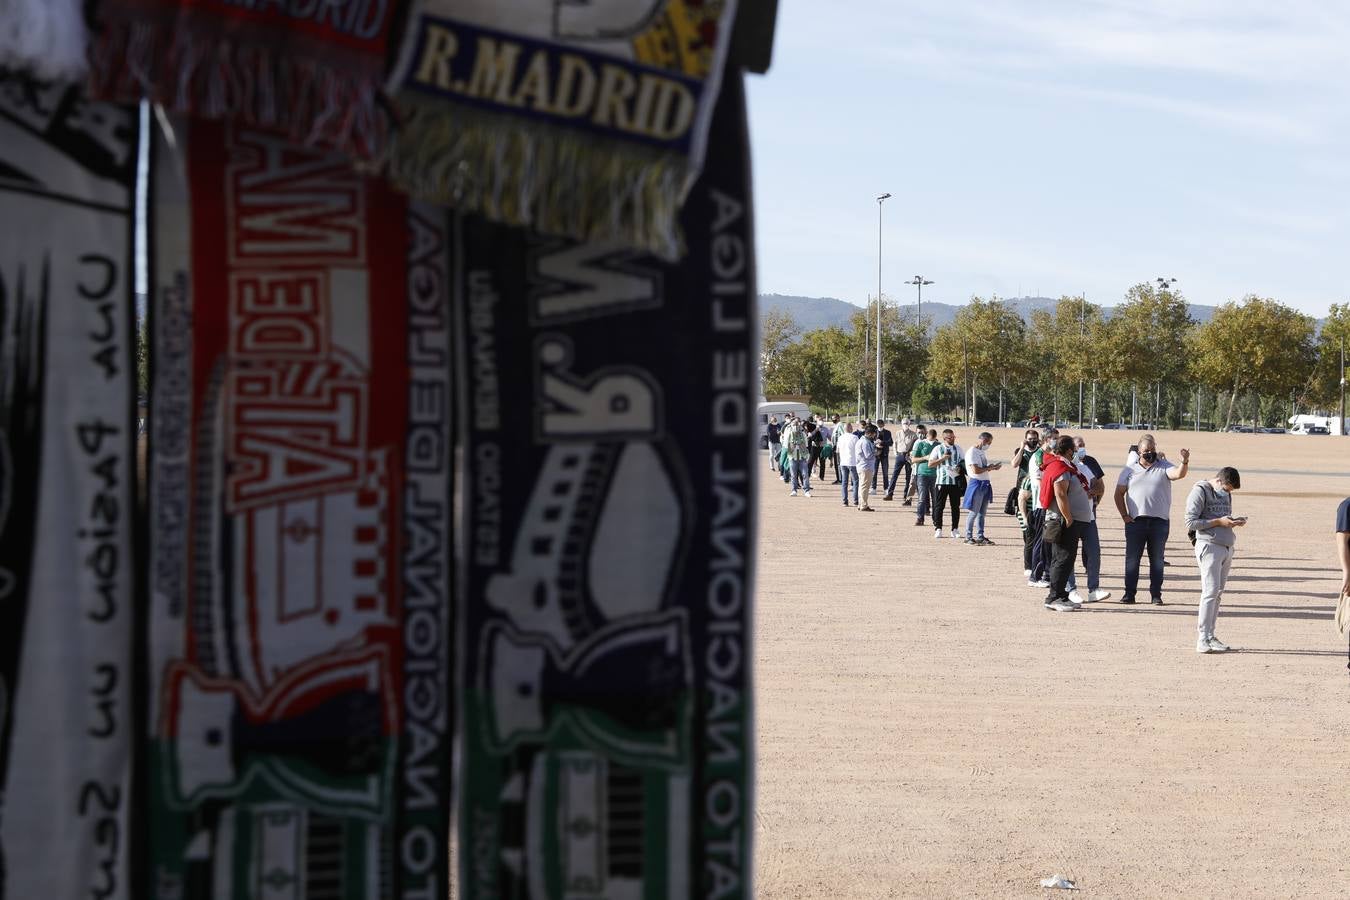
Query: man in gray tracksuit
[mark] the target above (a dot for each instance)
(1209, 513)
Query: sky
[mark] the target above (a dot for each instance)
(1037, 148)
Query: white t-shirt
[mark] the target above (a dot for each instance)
(847, 448)
(976, 456)
(1148, 491)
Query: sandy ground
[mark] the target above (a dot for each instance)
(927, 729)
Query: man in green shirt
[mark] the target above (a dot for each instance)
(924, 473)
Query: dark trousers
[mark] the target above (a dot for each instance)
(925, 491)
(1063, 552)
(823, 461)
(947, 495)
(882, 457)
(1145, 533)
(811, 463)
(1028, 543)
(1040, 553)
(901, 462)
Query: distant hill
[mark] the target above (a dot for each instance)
(811, 313)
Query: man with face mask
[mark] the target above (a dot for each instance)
(1031, 442)
(1090, 546)
(904, 445)
(979, 491)
(945, 459)
(1209, 513)
(1144, 501)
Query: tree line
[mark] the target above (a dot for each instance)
(1148, 360)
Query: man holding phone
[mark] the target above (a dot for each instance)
(1209, 513)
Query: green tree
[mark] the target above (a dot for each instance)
(825, 355)
(1063, 347)
(1256, 346)
(780, 371)
(985, 344)
(1147, 338)
(933, 398)
(1323, 388)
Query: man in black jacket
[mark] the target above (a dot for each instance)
(772, 431)
(884, 443)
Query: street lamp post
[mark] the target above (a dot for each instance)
(1342, 385)
(880, 200)
(1164, 284)
(1082, 333)
(919, 281)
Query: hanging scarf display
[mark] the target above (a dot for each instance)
(67, 498)
(585, 120)
(608, 502)
(299, 705)
(312, 69)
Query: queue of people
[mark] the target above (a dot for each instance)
(1056, 497)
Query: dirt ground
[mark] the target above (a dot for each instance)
(927, 729)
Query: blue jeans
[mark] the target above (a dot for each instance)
(926, 498)
(1145, 532)
(801, 474)
(847, 474)
(980, 505)
(1091, 551)
(901, 462)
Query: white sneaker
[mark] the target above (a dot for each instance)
(1217, 645)
(954, 534)
(1078, 598)
(1038, 584)
(937, 534)
(1026, 573)
(1100, 594)
(1061, 605)
(808, 495)
(793, 494)
(1202, 646)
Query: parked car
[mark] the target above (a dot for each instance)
(1310, 429)
(1114, 426)
(1273, 431)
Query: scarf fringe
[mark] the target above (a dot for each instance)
(198, 71)
(531, 174)
(46, 38)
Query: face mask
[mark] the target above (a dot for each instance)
(1080, 453)
(1148, 456)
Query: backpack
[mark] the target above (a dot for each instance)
(1010, 505)
(826, 450)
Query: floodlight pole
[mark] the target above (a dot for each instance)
(1164, 284)
(880, 200)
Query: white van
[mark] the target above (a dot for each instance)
(779, 409)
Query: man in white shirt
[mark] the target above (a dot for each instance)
(979, 490)
(1144, 501)
(846, 447)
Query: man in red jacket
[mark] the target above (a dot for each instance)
(1065, 494)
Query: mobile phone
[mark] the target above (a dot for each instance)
(1238, 518)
